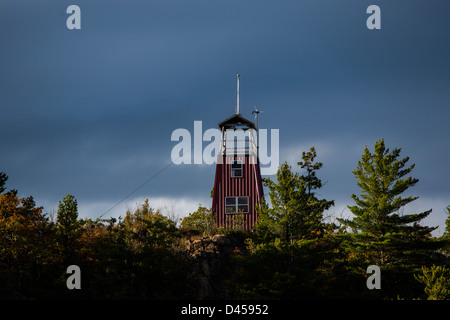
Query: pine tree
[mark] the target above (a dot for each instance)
(3, 178)
(310, 180)
(68, 225)
(446, 236)
(315, 206)
(296, 211)
(379, 227)
(282, 220)
(437, 282)
(447, 224)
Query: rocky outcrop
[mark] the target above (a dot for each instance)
(211, 262)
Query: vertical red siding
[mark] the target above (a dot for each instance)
(250, 185)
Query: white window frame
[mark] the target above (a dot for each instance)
(236, 204)
(233, 175)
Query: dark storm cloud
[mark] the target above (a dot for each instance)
(91, 111)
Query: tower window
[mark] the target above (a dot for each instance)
(236, 204)
(236, 169)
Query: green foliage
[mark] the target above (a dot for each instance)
(146, 228)
(280, 270)
(310, 180)
(131, 259)
(235, 225)
(26, 252)
(380, 179)
(146, 239)
(446, 236)
(296, 212)
(200, 221)
(447, 224)
(312, 183)
(437, 282)
(68, 228)
(378, 225)
(67, 217)
(291, 254)
(3, 178)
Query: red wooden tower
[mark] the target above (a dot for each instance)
(237, 185)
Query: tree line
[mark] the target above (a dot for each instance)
(294, 252)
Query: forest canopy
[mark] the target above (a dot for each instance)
(292, 253)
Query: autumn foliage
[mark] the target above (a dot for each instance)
(130, 259)
(293, 252)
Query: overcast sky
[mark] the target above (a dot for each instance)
(90, 112)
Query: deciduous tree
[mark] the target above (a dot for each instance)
(199, 221)
(25, 246)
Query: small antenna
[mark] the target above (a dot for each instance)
(256, 112)
(237, 102)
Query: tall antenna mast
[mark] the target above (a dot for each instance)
(237, 102)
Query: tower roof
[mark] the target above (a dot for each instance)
(236, 121)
